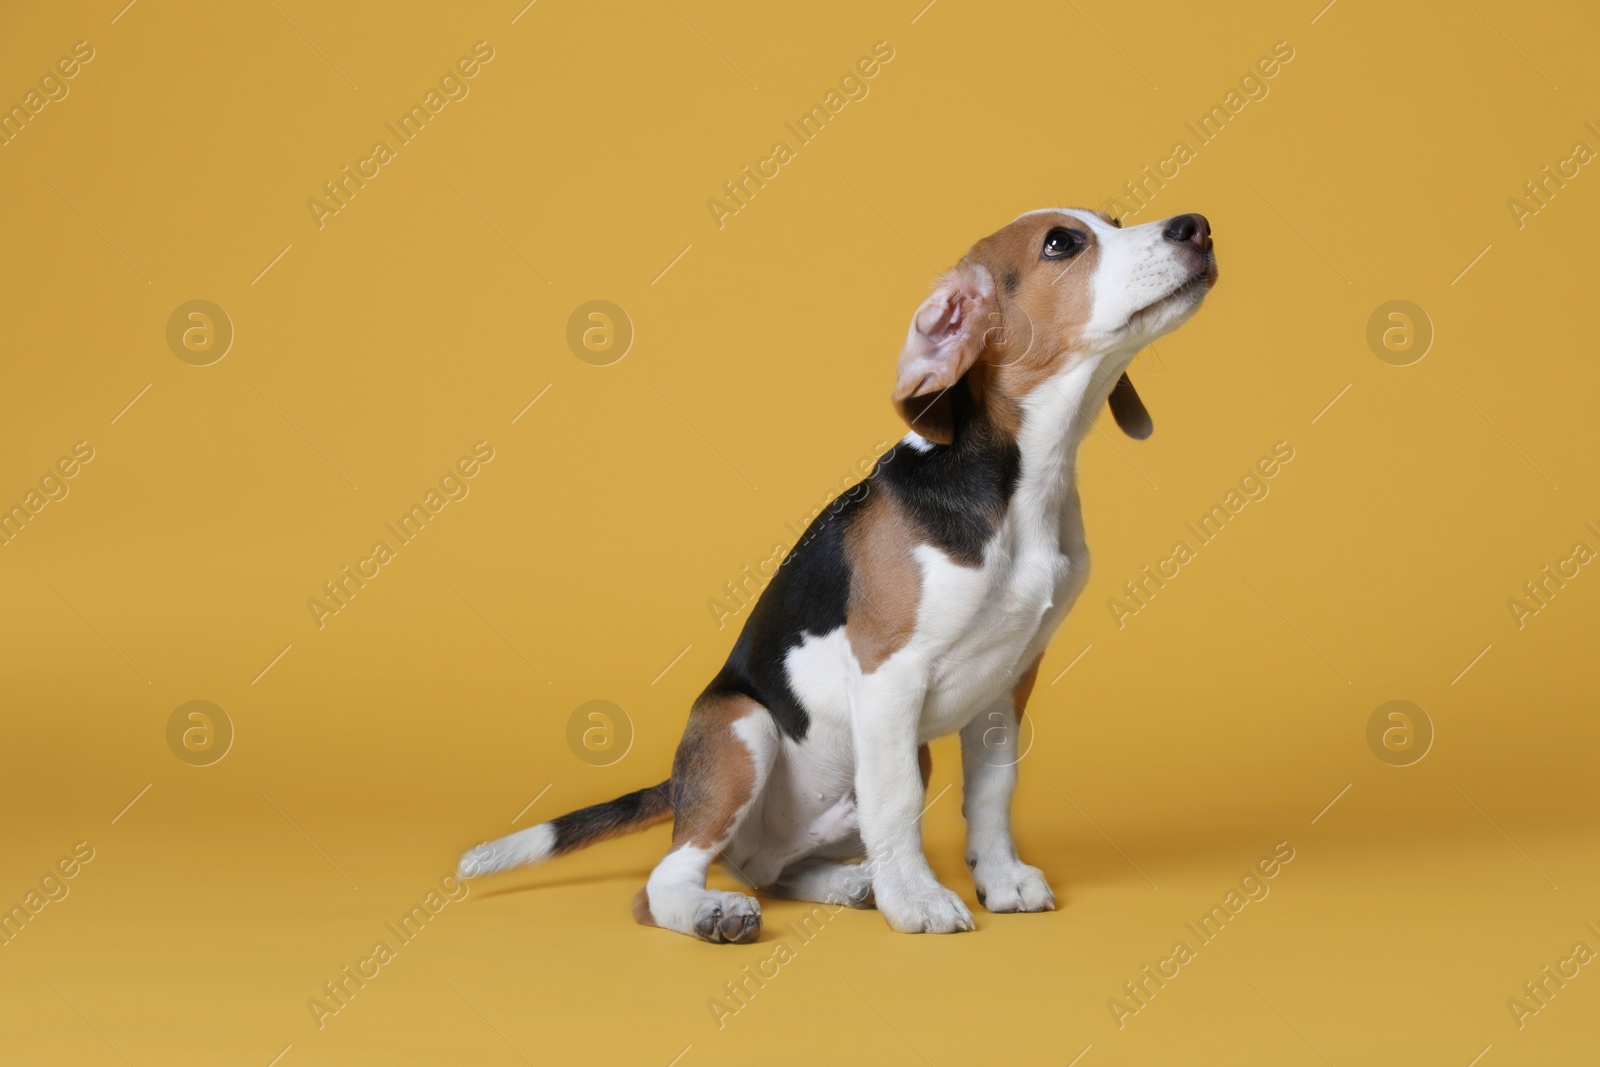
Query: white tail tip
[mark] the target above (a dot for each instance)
(521, 849)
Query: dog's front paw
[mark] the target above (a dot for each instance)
(1013, 886)
(930, 909)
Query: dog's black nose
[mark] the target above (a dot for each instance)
(1189, 229)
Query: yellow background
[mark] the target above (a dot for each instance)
(427, 714)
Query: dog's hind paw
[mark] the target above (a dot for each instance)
(727, 918)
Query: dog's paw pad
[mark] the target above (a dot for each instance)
(728, 919)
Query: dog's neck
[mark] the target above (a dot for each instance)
(1011, 463)
(1057, 416)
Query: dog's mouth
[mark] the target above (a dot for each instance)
(1188, 292)
(1195, 286)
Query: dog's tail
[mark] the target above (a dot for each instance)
(570, 832)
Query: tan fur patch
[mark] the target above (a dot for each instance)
(641, 908)
(713, 773)
(885, 584)
(1040, 319)
(1024, 687)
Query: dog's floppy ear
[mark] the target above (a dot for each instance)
(944, 341)
(1129, 411)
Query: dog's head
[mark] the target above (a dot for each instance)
(1049, 291)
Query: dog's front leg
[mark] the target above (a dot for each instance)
(989, 754)
(889, 798)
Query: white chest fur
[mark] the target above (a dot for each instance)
(980, 628)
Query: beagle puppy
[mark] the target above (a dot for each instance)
(918, 605)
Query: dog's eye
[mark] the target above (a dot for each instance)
(1060, 243)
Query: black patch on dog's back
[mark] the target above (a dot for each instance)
(954, 497)
(808, 595)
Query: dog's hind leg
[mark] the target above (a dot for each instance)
(820, 876)
(718, 775)
(826, 881)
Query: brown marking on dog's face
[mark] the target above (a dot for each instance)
(885, 584)
(1024, 687)
(641, 908)
(713, 773)
(1045, 291)
(999, 341)
(1038, 324)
